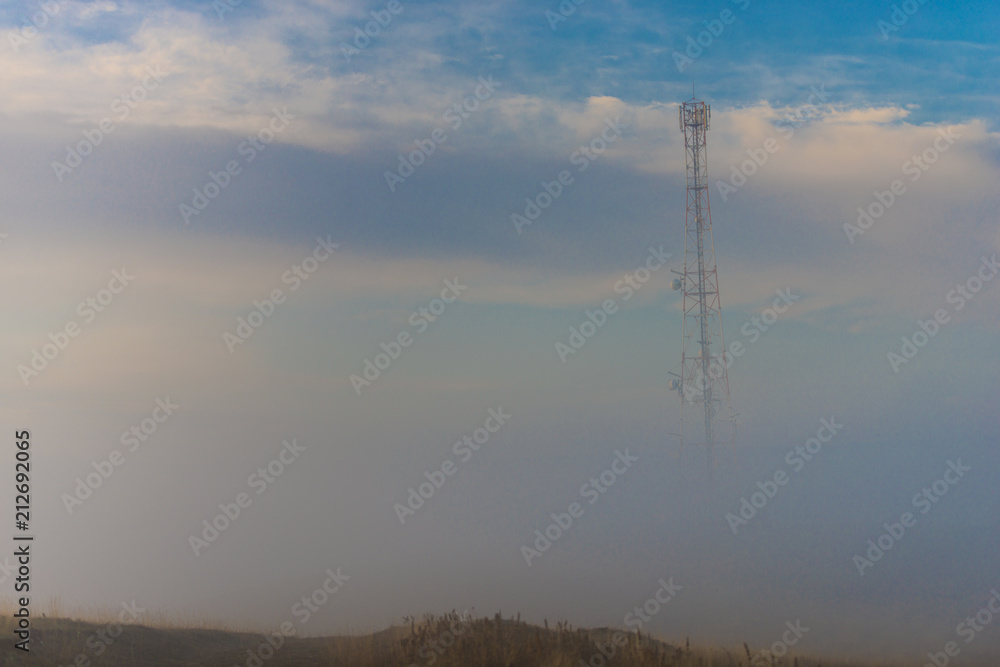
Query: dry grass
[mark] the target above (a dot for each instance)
(483, 642)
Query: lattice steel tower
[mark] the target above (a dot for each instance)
(703, 380)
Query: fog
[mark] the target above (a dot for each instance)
(316, 377)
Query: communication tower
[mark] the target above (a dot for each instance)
(703, 378)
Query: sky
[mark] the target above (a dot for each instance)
(217, 217)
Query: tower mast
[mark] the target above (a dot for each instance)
(703, 382)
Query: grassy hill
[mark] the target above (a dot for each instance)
(450, 640)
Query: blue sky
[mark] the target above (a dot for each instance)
(328, 129)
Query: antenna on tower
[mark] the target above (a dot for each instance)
(703, 380)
